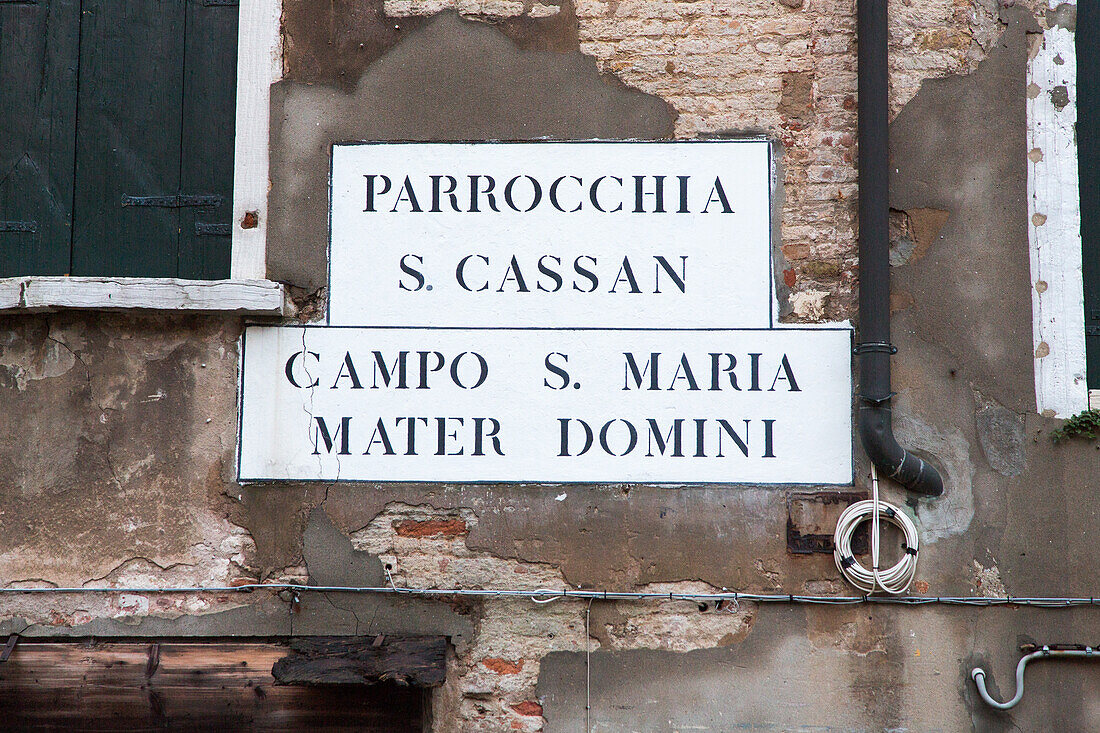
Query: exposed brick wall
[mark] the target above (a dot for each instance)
(786, 69)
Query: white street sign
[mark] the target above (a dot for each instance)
(552, 234)
(539, 405)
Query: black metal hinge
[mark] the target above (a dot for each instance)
(173, 202)
(212, 230)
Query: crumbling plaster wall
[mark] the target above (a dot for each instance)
(111, 473)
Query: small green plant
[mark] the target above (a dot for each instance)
(1084, 424)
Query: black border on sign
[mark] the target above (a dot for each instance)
(772, 184)
(530, 482)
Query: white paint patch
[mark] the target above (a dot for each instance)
(259, 65)
(1054, 215)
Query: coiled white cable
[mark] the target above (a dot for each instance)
(895, 580)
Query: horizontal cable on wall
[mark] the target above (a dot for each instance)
(546, 595)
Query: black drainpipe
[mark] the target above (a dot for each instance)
(874, 349)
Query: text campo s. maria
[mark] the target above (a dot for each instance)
(571, 436)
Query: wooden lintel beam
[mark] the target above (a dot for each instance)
(418, 661)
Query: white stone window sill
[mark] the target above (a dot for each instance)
(134, 294)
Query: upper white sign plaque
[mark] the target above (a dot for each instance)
(552, 234)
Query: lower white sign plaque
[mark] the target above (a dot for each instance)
(472, 405)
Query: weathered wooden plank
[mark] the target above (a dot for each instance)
(185, 686)
(416, 661)
(38, 53)
(128, 137)
(209, 105)
(245, 297)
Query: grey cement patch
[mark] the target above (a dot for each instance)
(833, 669)
(1063, 16)
(452, 79)
(1001, 436)
(331, 559)
(971, 288)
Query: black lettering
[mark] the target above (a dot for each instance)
(536, 193)
(407, 194)
(683, 371)
(289, 370)
(591, 276)
(556, 370)
(632, 441)
(322, 431)
(658, 194)
(632, 370)
(787, 375)
(718, 191)
(553, 274)
(399, 369)
(410, 445)
(754, 369)
(699, 438)
(554, 194)
(716, 371)
(380, 437)
(683, 194)
(371, 192)
(594, 193)
(475, 192)
(728, 429)
(449, 193)
(442, 435)
(440, 362)
(410, 270)
(626, 269)
(482, 375)
(674, 436)
(679, 280)
(350, 367)
(514, 273)
(460, 273)
(588, 436)
(492, 435)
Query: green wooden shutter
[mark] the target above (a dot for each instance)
(1088, 152)
(209, 120)
(154, 142)
(38, 68)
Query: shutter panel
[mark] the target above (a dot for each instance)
(127, 206)
(209, 118)
(1088, 151)
(38, 66)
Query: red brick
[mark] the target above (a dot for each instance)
(430, 528)
(503, 666)
(527, 707)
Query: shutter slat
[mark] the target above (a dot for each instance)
(1088, 151)
(38, 52)
(209, 115)
(128, 137)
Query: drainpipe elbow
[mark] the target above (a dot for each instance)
(877, 435)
